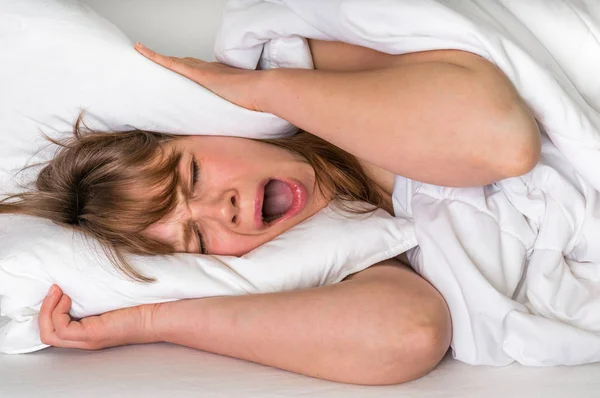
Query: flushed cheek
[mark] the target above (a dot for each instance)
(232, 169)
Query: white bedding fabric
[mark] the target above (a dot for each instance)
(163, 370)
(519, 261)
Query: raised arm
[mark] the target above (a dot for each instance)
(385, 325)
(443, 117)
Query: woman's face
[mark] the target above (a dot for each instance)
(235, 194)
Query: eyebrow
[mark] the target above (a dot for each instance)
(176, 172)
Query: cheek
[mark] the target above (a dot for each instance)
(224, 170)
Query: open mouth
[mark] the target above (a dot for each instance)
(281, 199)
(277, 201)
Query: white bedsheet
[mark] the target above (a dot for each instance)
(163, 370)
(518, 261)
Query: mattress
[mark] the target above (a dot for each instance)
(187, 28)
(161, 370)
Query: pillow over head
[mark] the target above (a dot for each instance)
(59, 57)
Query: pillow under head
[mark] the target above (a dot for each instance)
(34, 254)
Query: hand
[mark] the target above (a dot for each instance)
(114, 328)
(239, 86)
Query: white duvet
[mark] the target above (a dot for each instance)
(517, 261)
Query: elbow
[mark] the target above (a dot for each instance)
(407, 356)
(417, 355)
(511, 139)
(430, 346)
(518, 148)
(427, 345)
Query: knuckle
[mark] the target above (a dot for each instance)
(45, 339)
(48, 339)
(61, 334)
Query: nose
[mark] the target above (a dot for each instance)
(223, 208)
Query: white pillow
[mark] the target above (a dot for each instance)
(58, 58)
(322, 250)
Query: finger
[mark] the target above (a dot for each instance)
(170, 63)
(160, 59)
(45, 317)
(64, 326)
(47, 330)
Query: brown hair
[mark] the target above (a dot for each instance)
(93, 182)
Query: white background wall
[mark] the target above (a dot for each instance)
(183, 28)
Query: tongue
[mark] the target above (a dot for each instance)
(278, 199)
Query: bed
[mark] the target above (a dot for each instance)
(161, 369)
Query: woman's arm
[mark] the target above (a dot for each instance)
(443, 117)
(384, 325)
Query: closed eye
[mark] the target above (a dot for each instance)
(201, 244)
(194, 173)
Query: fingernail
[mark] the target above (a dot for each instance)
(51, 291)
(140, 45)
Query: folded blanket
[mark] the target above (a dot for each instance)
(518, 261)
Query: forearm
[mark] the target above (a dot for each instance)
(435, 122)
(385, 326)
(445, 117)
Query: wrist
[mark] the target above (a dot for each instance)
(266, 86)
(149, 332)
(173, 321)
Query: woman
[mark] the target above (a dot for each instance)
(443, 117)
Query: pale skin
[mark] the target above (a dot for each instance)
(443, 117)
